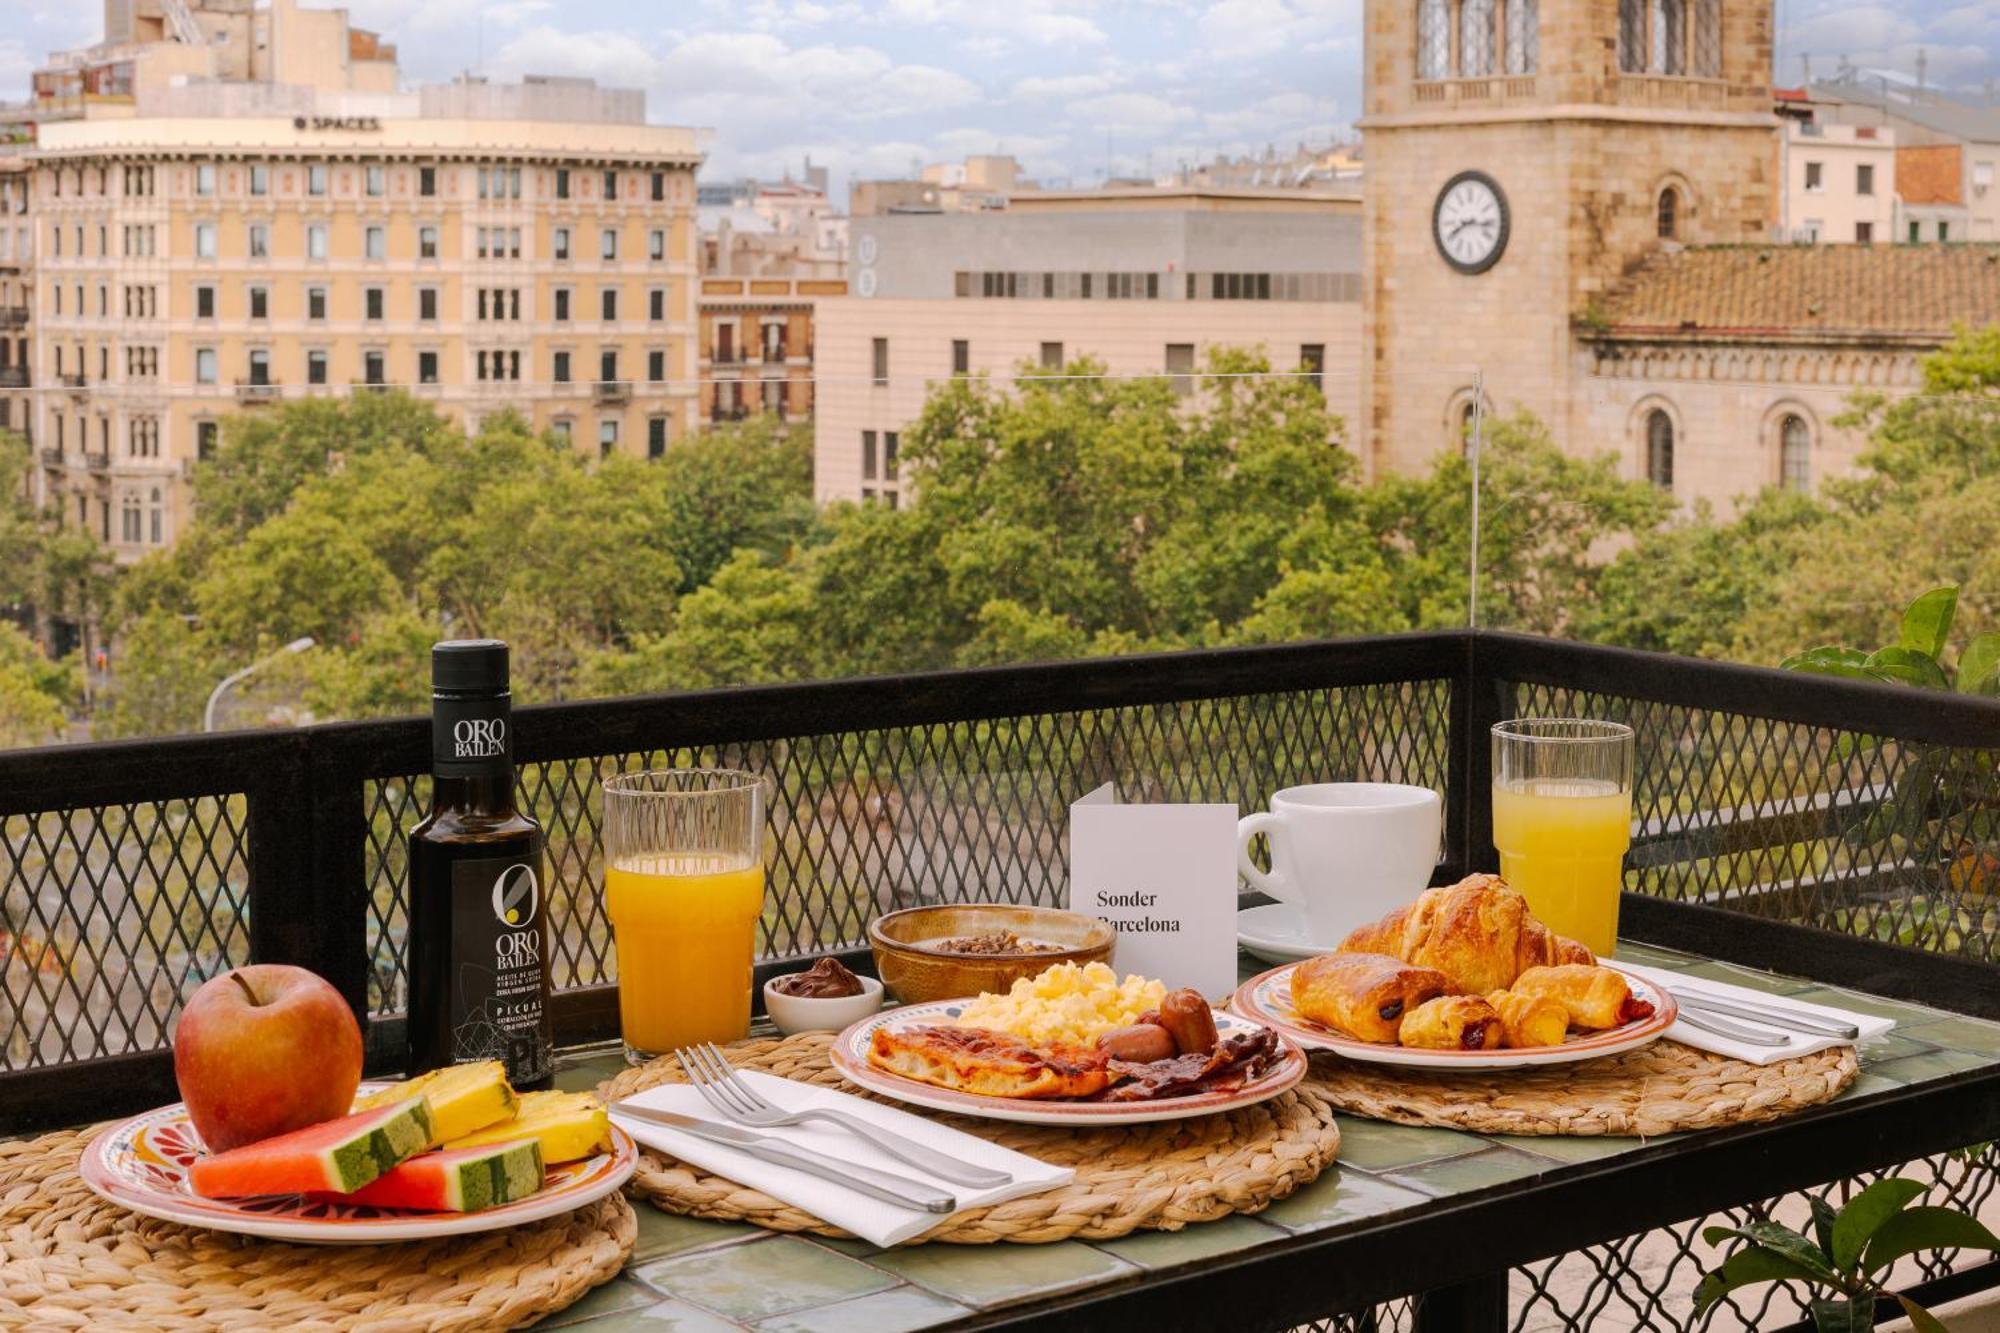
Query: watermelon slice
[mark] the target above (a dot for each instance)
(338, 1156)
(458, 1180)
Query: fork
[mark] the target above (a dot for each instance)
(715, 1079)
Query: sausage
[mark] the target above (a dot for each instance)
(1185, 1014)
(1139, 1044)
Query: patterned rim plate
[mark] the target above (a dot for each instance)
(1267, 997)
(850, 1057)
(142, 1164)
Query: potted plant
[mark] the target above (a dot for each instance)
(1846, 1261)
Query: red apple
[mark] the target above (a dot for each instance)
(264, 1050)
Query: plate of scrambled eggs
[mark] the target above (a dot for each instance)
(1057, 1016)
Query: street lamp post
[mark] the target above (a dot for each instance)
(215, 695)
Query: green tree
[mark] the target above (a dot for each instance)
(36, 695)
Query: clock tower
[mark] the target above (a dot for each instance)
(1522, 155)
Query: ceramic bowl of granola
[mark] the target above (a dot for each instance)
(958, 949)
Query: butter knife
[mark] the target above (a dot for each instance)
(875, 1183)
(1774, 1017)
(1722, 1027)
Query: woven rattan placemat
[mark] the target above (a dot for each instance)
(1658, 1089)
(1159, 1177)
(70, 1260)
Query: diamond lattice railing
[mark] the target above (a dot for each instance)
(1836, 829)
(866, 822)
(110, 916)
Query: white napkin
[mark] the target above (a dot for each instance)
(873, 1220)
(1801, 1043)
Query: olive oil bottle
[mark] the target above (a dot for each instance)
(479, 938)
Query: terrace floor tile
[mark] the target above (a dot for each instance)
(897, 1310)
(1960, 1034)
(1338, 1197)
(662, 1233)
(1462, 1175)
(989, 1275)
(1201, 1240)
(762, 1278)
(662, 1317)
(1771, 983)
(619, 1294)
(1377, 1145)
(1575, 1147)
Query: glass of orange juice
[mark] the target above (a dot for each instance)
(683, 886)
(1562, 819)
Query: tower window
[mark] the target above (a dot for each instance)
(1660, 449)
(1632, 36)
(1524, 37)
(1708, 39)
(1669, 215)
(1669, 53)
(1477, 38)
(1795, 453)
(1434, 39)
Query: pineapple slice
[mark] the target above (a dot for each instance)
(569, 1126)
(463, 1098)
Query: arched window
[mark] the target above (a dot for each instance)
(1433, 39)
(1795, 453)
(1467, 413)
(1478, 38)
(1669, 54)
(1524, 37)
(1660, 449)
(1632, 36)
(1670, 211)
(1708, 39)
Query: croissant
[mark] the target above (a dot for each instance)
(1596, 997)
(1529, 1020)
(1364, 995)
(1478, 932)
(1452, 1023)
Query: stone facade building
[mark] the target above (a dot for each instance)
(1576, 203)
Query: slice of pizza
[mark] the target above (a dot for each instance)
(989, 1064)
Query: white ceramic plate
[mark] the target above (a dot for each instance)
(1276, 933)
(850, 1057)
(1267, 997)
(142, 1164)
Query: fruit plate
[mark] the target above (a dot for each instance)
(850, 1057)
(142, 1164)
(1267, 998)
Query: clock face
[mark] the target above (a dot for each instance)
(1469, 222)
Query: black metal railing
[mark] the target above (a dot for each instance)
(1780, 820)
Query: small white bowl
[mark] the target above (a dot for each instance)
(802, 1013)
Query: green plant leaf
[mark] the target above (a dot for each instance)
(1823, 1218)
(1979, 665)
(1908, 666)
(1749, 1265)
(1831, 660)
(1917, 1229)
(1927, 621)
(1864, 1215)
(1827, 654)
(1921, 1320)
(1784, 1241)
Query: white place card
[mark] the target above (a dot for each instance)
(1165, 877)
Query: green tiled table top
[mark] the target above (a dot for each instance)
(715, 1277)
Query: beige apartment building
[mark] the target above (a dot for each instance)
(1839, 182)
(216, 246)
(1146, 281)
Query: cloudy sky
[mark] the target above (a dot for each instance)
(1068, 86)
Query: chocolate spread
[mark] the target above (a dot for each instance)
(824, 980)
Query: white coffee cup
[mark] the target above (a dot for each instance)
(1344, 853)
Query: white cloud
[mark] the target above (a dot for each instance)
(1248, 29)
(1040, 88)
(1127, 113)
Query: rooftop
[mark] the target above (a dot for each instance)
(1928, 107)
(1807, 292)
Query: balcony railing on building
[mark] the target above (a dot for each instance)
(97, 460)
(52, 458)
(76, 384)
(13, 377)
(256, 391)
(607, 392)
(13, 316)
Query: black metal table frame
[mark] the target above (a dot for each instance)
(306, 829)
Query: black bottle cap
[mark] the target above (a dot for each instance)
(476, 666)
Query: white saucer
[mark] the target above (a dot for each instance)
(1276, 934)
